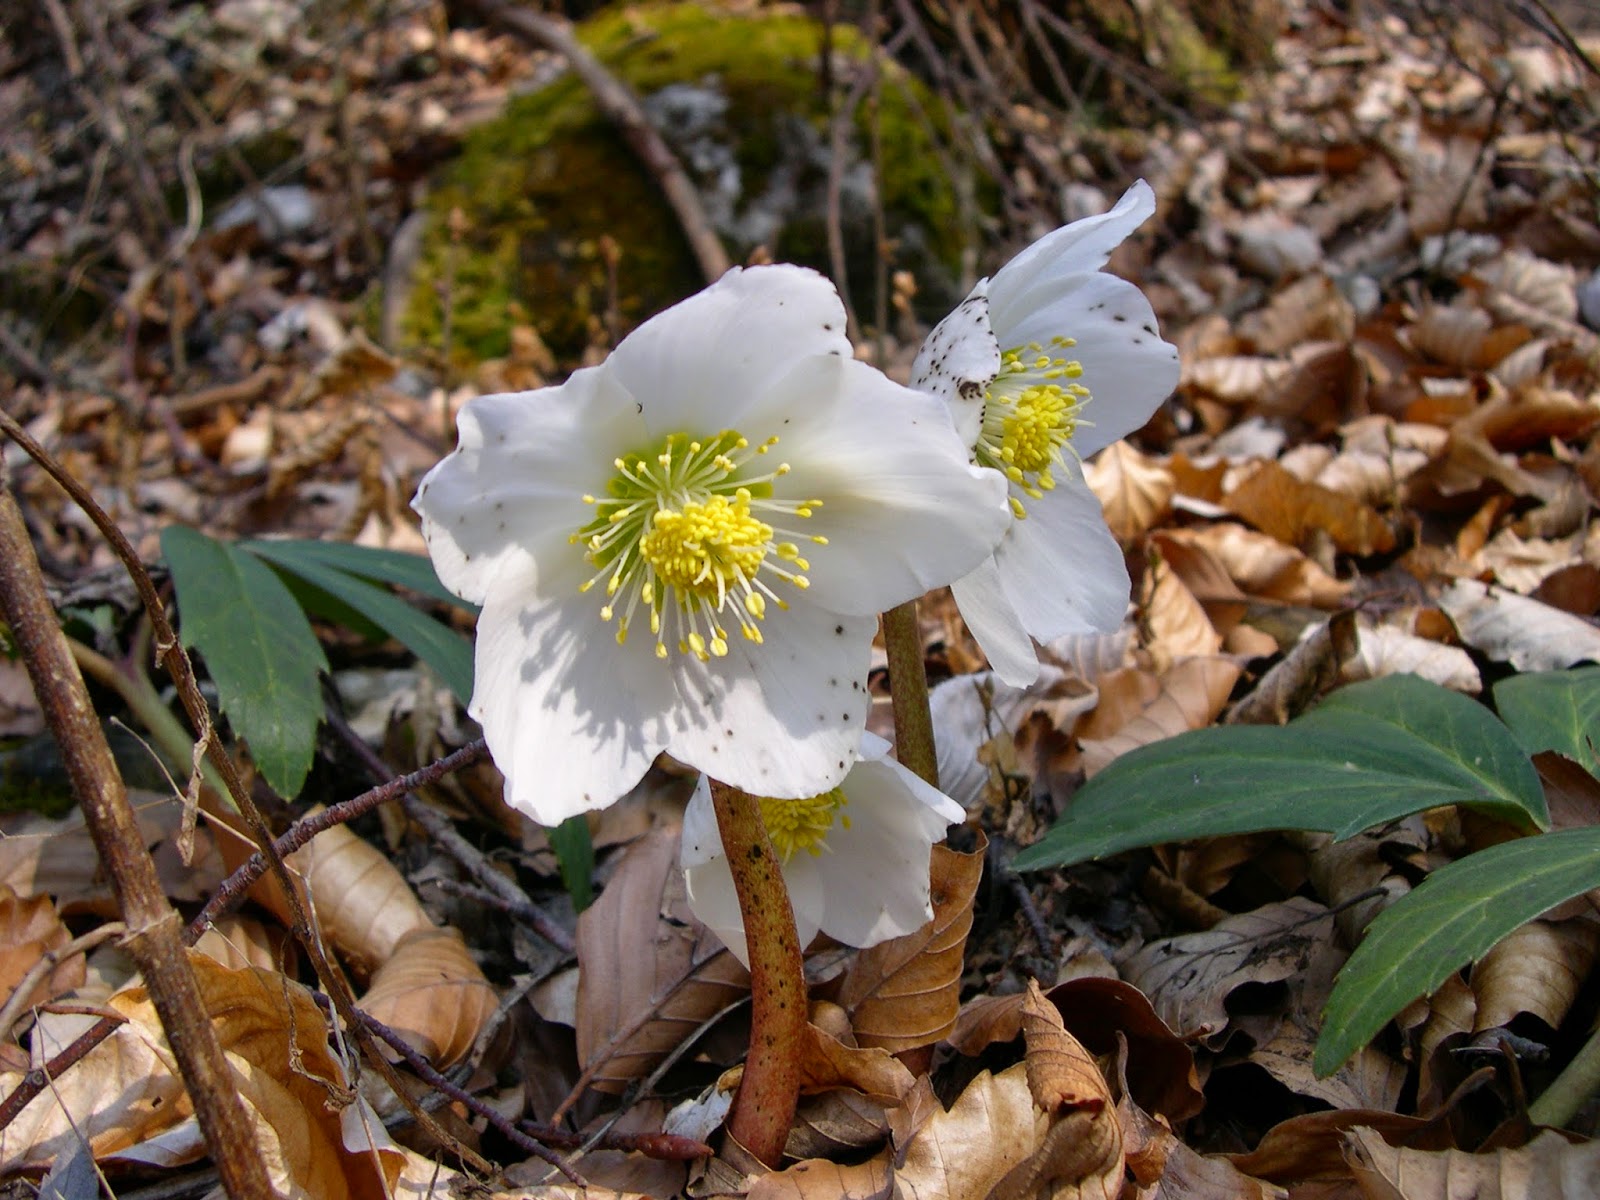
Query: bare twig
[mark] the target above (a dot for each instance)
(154, 928)
(452, 843)
(441, 1083)
(617, 101)
(302, 831)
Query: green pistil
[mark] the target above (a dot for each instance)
(1031, 411)
(689, 531)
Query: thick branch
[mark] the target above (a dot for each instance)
(155, 931)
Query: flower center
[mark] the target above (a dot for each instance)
(1031, 410)
(802, 824)
(690, 530)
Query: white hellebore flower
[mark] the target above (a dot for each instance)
(686, 547)
(1043, 365)
(855, 858)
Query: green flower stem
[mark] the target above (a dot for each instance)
(1572, 1089)
(764, 1107)
(908, 692)
(134, 688)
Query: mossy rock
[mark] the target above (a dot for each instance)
(739, 97)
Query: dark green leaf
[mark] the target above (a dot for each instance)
(1452, 918)
(1373, 753)
(575, 856)
(441, 647)
(413, 571)
(258, 647)
(1554, 710)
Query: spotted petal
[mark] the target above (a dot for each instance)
(959, 360)
(570, 718)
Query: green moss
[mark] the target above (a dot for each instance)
(537, 188)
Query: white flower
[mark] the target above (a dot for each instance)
(686, 547)
(1042, 366)
(855, 858)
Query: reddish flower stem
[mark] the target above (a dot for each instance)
(763, 1109)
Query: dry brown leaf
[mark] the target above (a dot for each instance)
(29, 930)
(1101, 1013)
(1308, 310)
(1061, 1073)
(241, 941)
(1236, 379)
(1188, 978)
(906, 992)
(431, 992)
(648, 973)
(315, 1136)
(41, 856)
(1277, 503)
(841, 1123)
(1547, 1168)
(1172, 619)
(1327, 387)
(826, 1063)
(359, 901)
(1389, 650)
(1164, 1168)
(1537, 968)
(1191, 695)
(1455, 337)
(1510, 628)
(1307, 671)
(122, 1093)
(1451, 1014)
(1263, 566)
(1310, 1147)
(1135, 491)
(1206, 578)
(822, 1179)
(967, 1151)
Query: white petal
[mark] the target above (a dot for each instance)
(512, 491)
(1127, 367)
(991, 619)
(709, 363)
(572, 719)
(903, 510)
(701, 840)
(1063, 571)
(959, 360)
(874, 875)
(1083, 246)
(783, 718)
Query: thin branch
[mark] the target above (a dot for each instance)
(233, 888)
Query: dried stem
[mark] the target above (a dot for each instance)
(617, 101)
(763, 1108)
(429, 1075)
(233, 888)
(154, 929)
(908, 692)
